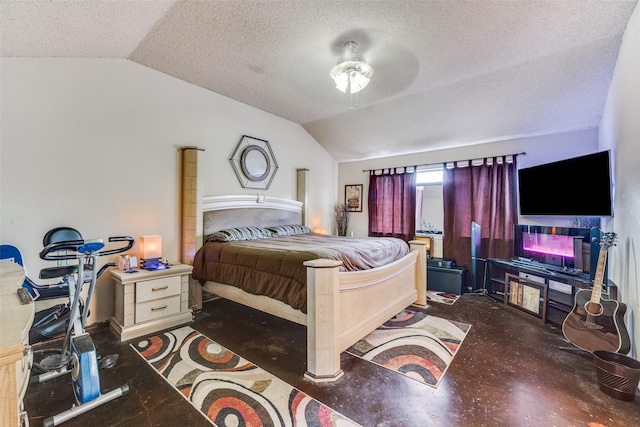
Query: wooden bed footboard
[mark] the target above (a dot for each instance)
(344, 307)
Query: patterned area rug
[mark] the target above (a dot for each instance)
(442, 297)
(414, 344)
(227, 389)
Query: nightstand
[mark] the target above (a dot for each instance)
(149, 301)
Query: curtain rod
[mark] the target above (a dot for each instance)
(441, 163)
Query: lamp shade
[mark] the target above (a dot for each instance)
(150, 247)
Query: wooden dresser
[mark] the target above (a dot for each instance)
(149, 301)
(15, 353)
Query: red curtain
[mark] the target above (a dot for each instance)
(485, 194)
(392, 204)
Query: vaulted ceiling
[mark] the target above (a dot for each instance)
(446, 73)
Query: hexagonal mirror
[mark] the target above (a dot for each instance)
(254, 163)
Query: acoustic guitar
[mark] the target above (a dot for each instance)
(595, 323)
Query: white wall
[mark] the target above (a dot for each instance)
(93, 144)
(539, 149)
(620, 132)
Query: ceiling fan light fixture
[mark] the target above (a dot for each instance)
(358, 81)
(342, 81)
(352, 73)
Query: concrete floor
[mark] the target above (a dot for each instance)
(509, 371)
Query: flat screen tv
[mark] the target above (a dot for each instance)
(580, 186)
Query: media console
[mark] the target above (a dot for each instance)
(558, 303)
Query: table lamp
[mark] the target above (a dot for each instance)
(151, 253)
(320, 229)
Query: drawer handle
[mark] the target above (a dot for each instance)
(162, 288)
(159, 308)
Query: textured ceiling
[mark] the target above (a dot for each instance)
(446, 73)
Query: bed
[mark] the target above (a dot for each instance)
(338, 306)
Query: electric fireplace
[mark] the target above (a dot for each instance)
(564, 247)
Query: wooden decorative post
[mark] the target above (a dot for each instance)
(190, 205)
(302, 193)
(421, 271)
(323, 305)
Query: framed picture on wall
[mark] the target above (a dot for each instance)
(353, 197)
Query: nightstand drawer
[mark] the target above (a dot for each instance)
(154, 309)
(158, 288)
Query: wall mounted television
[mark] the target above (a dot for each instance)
(580, 186)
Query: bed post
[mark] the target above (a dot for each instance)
(195, 294)
(421, 271)
(190, 232)
(323, 347)
(190, 204)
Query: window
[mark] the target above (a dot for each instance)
(429, 177)
(429, 203)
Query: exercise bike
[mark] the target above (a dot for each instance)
(53, 321)
(78, 354)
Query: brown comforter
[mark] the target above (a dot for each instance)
(274, 267)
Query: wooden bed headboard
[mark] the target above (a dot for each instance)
(201, 216)
(220, 212)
